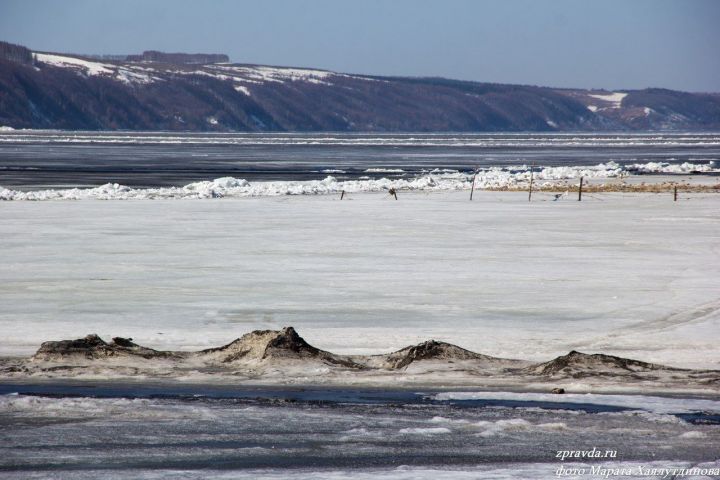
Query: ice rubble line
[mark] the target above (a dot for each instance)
(436, 180)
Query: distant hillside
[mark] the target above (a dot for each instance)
(160, 91)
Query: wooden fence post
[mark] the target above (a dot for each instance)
(532, 167)
(580, 190)
(472, 188)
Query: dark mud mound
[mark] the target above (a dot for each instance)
(94, 347)
(432, 350)
(263, 346)
(598, 365)
(285, 354)
(578, 364)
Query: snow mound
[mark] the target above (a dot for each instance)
(665, 167)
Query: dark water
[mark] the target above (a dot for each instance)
(35, 160)
(284, 395)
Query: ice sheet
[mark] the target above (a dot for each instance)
(61, 437)
(631, 275)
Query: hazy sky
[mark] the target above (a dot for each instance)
(563, 43)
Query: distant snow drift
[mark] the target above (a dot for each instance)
(435, 180)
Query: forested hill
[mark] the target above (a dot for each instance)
(203, 92)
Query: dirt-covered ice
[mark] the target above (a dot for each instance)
(283, 357)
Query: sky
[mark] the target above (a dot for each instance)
(608, 44)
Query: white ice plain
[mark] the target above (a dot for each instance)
(631, 275)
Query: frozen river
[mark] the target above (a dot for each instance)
(633, 275)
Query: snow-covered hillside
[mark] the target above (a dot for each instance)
(157, 91)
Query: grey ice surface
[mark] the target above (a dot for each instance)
(200, 437)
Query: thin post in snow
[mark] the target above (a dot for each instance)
(580, 190)
(532, 167)
(342, 194)
(472, 188)
(675, 194)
